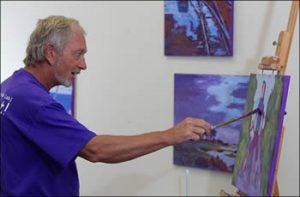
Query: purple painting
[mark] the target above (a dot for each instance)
(255, 167)
(214, 98)
(198, 28)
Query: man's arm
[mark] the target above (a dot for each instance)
(114, 149)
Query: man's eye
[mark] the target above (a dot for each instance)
(77, 55)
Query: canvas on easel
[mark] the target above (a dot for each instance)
(268, 183)
(255, 167)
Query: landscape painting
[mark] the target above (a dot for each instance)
(257, 156)
(215, 98)
(65, 96)
(198, 28)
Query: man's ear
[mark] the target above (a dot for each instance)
(50, 53)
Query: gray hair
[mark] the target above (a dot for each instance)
(55, 30)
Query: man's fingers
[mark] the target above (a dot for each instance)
(195, 128)
(201, 131)
(203, 124)
(195, 138)
(202, 128)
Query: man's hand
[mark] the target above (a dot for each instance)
(189, 129)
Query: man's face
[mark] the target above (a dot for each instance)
(71, 61)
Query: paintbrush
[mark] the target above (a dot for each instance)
(257, 110)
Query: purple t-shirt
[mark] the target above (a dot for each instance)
(39, 141)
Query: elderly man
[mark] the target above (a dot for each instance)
(40, 140)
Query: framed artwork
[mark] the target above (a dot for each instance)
(65, 96)
(198, 28)
(214, 98)
(257, 154)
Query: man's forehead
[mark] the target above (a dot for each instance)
(77, 42)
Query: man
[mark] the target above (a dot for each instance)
(40, 140)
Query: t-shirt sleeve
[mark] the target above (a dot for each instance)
(59, 134)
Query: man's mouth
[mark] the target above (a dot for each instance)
(75, 72)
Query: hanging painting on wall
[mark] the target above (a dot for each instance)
(65, 96)
(257, 154)
(198, 28)
(214, 98)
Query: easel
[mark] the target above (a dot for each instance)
(278, 63)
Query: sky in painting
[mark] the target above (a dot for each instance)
(214, 98)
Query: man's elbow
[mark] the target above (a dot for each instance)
(89, 154)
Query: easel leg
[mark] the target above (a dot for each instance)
(276, 189)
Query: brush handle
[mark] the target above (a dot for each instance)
(237, 118)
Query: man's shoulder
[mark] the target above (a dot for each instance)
(25, 93)
(22, 84)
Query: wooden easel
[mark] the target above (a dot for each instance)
(278, 63)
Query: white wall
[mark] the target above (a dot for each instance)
(128, 86)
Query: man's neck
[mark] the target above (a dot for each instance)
(43, 74)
